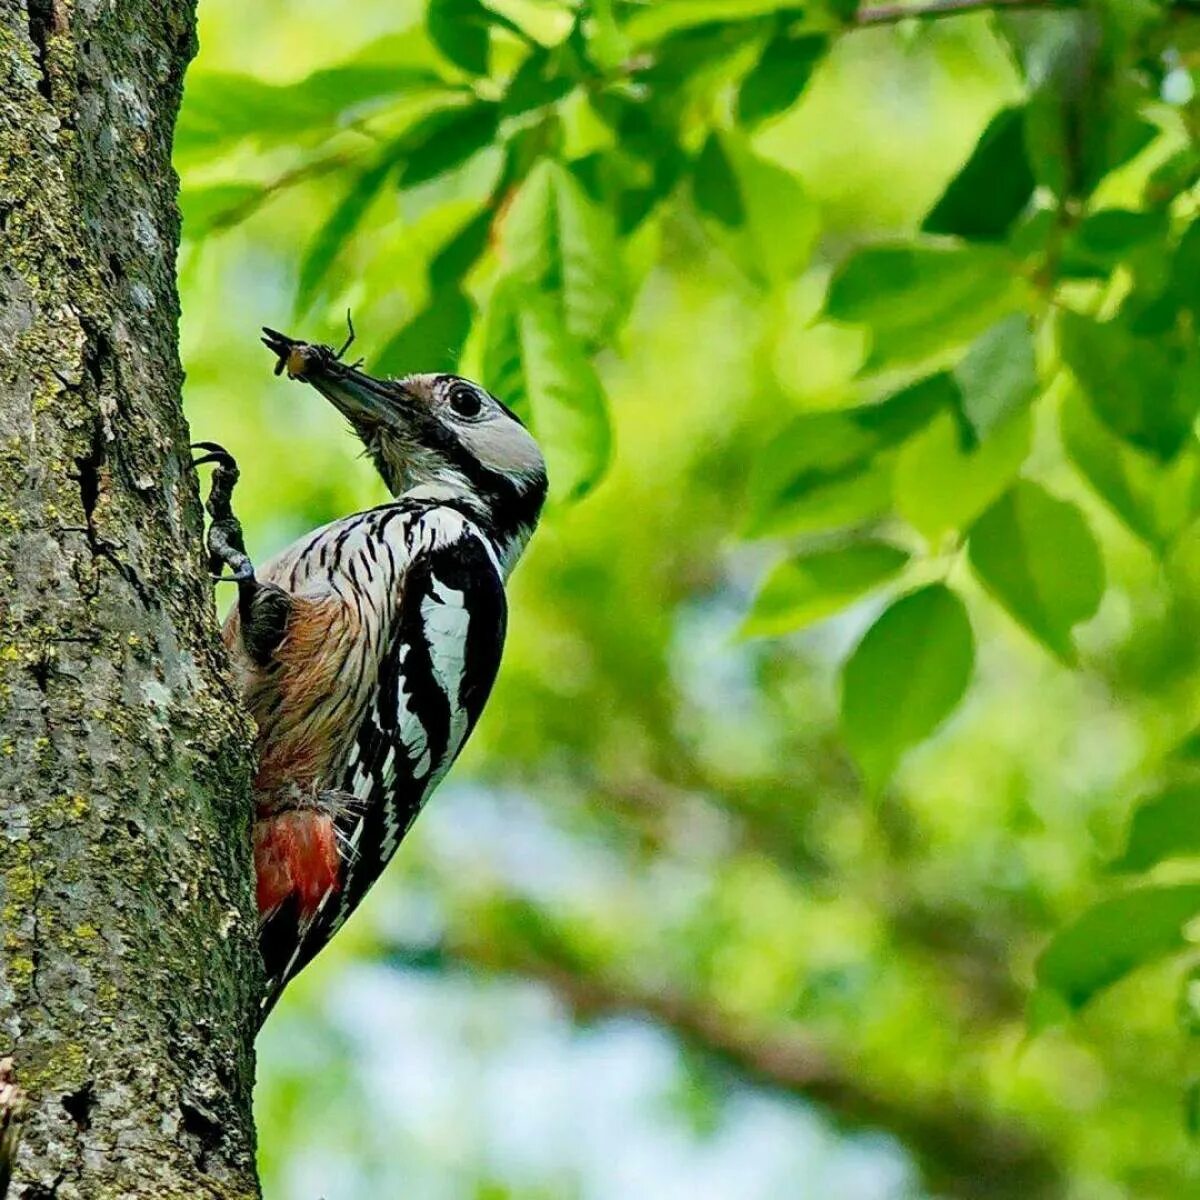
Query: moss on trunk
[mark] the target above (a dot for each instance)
(128, 972)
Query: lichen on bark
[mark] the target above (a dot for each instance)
(128, 971)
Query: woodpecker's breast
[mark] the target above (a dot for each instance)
(345, 587)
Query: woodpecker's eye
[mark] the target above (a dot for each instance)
(465, 401)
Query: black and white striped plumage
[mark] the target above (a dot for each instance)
(367, 650)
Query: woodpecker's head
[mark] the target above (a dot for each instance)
(439, 436)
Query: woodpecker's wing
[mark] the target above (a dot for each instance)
(430, 593)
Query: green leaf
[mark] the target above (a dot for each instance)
(1109, 237)
(544, 77)
(905, 677)
(666, 17)
(998, 375)
(454, 261)
(433, 339)
(828, 469)
(918, 300)
(1113, 938)
(780, 76)
(531, 361)
(221, 109)
(1133, 383)
(1165, 825)
(1084, 118)
(1185, 268)
(443, 140)
(1179, 173)
(556, 240)
(941, 485)
(766, 218)
(325, 246)
(716, 187)
(1156, 500)
(1038, 558)
(993, 187)
(812, 586)
(460, 30)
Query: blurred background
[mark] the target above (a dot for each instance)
(724, 901)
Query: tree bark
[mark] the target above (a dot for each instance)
(128, 971)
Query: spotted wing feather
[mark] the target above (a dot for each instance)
(440, 651)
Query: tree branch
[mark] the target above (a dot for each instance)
(962, 1150)
(889, 14)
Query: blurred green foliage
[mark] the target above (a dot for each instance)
(864, 353)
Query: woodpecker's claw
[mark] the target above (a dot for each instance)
(225, 543)
(216, 454)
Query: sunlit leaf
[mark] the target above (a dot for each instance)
(455, 259)
(546, 23)
(1156, 500)
(780, 76)
(557, 240)
(339, 227)
(942, 484)
(665, 17)
(998, 375)
(1134, 384)
(433, 339)
(917, 300)
(993, 187)
(812, 586)
(905, 678)
(221, 109)
(532, 362)
(1165, 825)
(1114, 938)
(1038, 558)
(762, 211)
(831, 468)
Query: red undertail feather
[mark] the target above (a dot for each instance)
(295, 854)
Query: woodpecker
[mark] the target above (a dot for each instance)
(366, 650)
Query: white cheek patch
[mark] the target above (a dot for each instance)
(503, 445)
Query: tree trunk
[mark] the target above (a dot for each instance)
(128, 972)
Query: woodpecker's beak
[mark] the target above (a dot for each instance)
(363, 400)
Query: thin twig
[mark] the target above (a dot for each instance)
(241, 210)
(889, 14)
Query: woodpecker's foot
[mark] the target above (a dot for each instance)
(226, 545)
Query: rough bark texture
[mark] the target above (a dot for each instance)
(128, 970)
